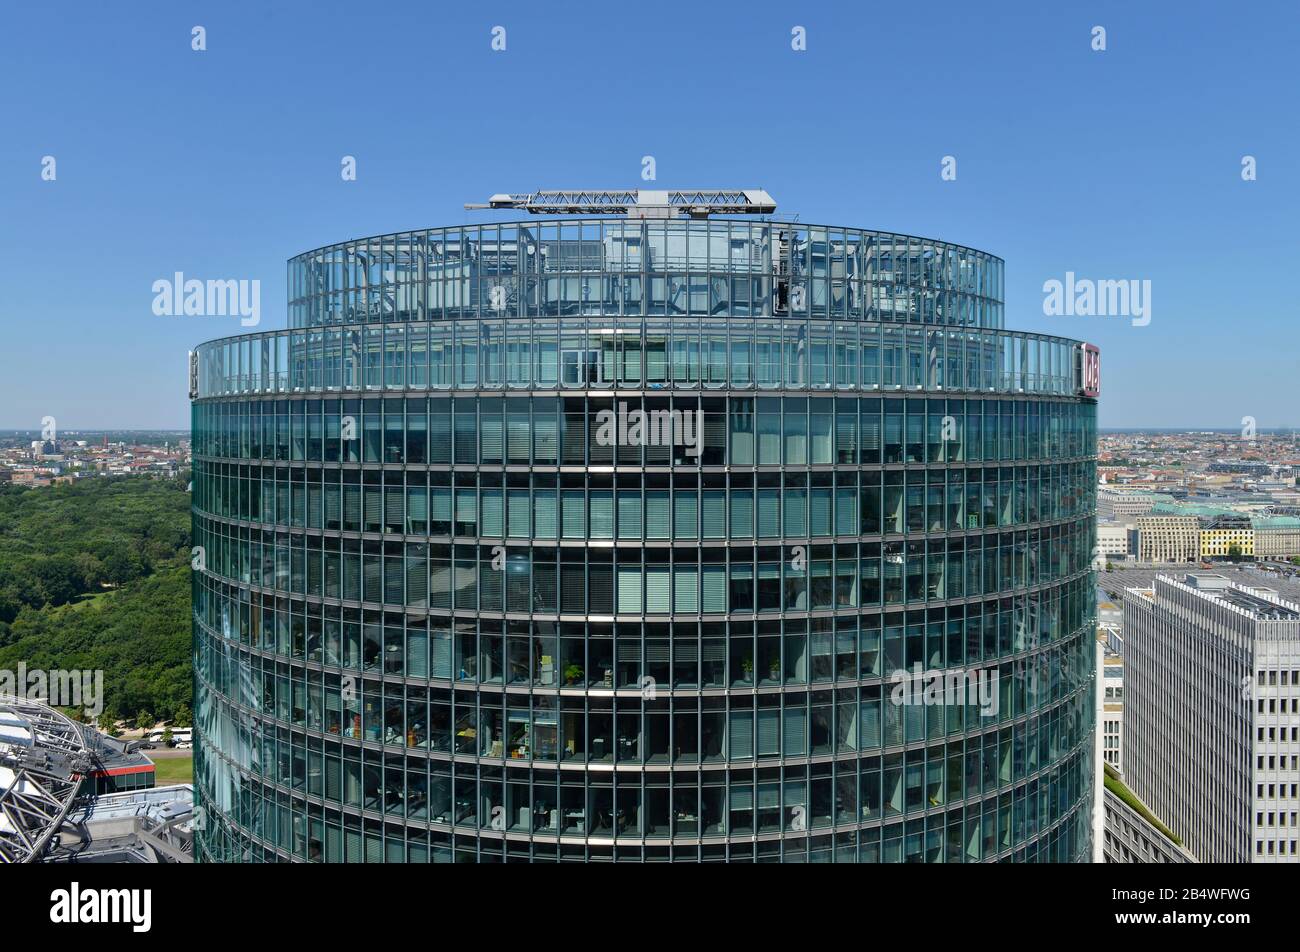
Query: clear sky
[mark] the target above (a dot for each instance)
(1122, 164)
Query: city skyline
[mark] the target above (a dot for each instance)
(1040, 181)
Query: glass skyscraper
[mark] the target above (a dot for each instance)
(644, 539)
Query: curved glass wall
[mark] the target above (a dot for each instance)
(470, 626)
(595, 354)
(645, 268)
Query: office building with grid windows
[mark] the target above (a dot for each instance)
(1212, 694)
(616, 536)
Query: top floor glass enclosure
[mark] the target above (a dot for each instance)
(619, 267)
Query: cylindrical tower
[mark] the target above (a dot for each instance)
(640, 538)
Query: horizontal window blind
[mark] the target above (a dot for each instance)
(657, 520)
(574, 503)
(769, 438)
(629, 515)
(796, 512)
(491, 504)
(417, 581)
(740, 735)
(490, 588)
(602, 514)
(819, 512)
(686, 589)
(600, 589)
(417, 658)
(846, 512)
(575, 439)
(313, 505)
(439, 438)
(742, 514)
(573, 589)
(491, 443)
(656, 590)
(846, 438)
(519, 513)
(466, 506)
(870, 437)
(441, 653)
(685, 514)
(795, 728)
(629, 590)
(393, 577)
(440, 505)
(545, 441)
(544, 514)
(769, 513)
(715, 514)
(520, 436)
(417, 506)
(769, 732)
(715, 589)
(393, 502)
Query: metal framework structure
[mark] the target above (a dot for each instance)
(43, 757)
(140, 826)
(638, 203)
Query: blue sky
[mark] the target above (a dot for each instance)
(1117, 164)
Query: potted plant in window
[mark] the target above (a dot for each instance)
(747, 667)
(573, 674)
(774, 668)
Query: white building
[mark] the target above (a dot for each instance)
(1125, 505)
(1112, 543)
(1110, 713)
(1211, 702)
(1169, 538)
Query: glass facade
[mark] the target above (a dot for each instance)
(448, 611)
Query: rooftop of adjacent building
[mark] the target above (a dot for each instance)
(113, 755)
(1116, 786)
(1259, 602)
(140, 826)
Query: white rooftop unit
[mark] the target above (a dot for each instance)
(637, 203)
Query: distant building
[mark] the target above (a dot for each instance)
(1112, 543)
(1116, 505)
(29, 477)
(1212, 690)
(1169, 538)
(1226, 536)
(1276, 537)
(1247, 469)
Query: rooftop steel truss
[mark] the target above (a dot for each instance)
(638, 203)
(43, 756)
